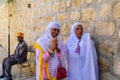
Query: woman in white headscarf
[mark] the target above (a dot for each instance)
(49, 53)
(82, 58)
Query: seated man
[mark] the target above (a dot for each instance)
(19, 56)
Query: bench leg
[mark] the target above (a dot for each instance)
(30, 68)
(20, 73)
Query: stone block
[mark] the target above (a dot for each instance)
(107, 76)
(61, 17)
(75, 15)
(77, 3)
(108, 48)
(56, 7)
(105, 28)
(103, 63)
(116, 11)
(62, 5)
(88, 14)
(48, 19)
(89, 1)
(105, 10)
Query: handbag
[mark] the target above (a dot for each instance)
(61, 71)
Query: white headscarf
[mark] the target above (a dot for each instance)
(90, 69)
(73, 34)
(45, 41)
(50, 26)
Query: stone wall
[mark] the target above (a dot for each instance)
(100, 17)
(4, 24)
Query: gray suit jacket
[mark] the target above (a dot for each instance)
(20, 53)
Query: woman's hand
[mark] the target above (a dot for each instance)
(54, 44)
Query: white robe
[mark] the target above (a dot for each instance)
(85, 65)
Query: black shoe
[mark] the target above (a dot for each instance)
(2, 76)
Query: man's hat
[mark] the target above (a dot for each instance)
(20, 34)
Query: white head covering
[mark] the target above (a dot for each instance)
(86, 66)
(50, 26)
(73, 34)
(75, 26)
(45, 41)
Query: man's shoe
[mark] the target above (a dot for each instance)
(2, 76)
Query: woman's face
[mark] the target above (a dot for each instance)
(79, 31)
(54, 32)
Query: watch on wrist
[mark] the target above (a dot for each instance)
(51, 52)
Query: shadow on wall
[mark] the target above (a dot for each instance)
(3, 53)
